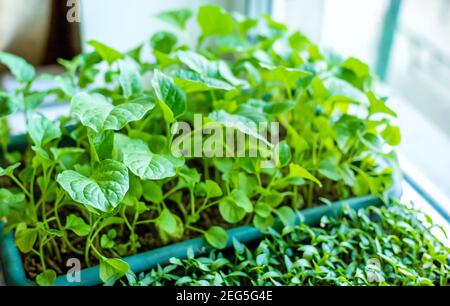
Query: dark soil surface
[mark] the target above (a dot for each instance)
(149, 239)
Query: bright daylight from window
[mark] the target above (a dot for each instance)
(253, 143)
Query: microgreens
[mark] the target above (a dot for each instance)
(375, 246)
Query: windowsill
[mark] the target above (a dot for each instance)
(424, 153)
(413, 197)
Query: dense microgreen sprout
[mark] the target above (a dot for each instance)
(391, 245)
(104, 183)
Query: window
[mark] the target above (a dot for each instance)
(407, 44)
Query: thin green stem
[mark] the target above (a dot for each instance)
(130, 228)
(144, 124)
(21, 186)
(192, 199)
(204, 207)
(41, 254)
(171, 192)
(182, 209)
(65, 239)
(145, 222)
(192, 228)
(91, 238)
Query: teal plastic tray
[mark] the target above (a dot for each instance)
(15, 274)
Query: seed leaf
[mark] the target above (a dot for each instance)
(10, 201)
(217, 237)
(241, 200)
(77, 225)
(25, 239)
(46, 278)
(230, 211)
(167, 222)
(112, 269)
(213, 190)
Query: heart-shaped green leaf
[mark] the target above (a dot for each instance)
(379, 106)
(98, 113)
(392, 135)
(136, 155)
(42, 130)
(287, 215)
(340, 90)
(102, 143)
(104, 190)
(263, 223)
(263, 210)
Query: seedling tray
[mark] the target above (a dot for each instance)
(15, 275)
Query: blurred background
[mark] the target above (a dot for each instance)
(407, 43)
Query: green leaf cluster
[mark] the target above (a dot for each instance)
(104, 183)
